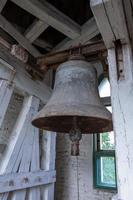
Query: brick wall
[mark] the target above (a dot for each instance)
(69, 169)
(12, 113)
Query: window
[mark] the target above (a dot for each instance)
(104, 152)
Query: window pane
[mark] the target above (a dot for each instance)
(107, 165)
(104, 88)
(109, 108)
(107, 141)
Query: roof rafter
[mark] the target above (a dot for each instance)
(88, 31)
(43, 44)
(110, 18)
(2, 4)
(35, 30)
(9, 28)
(49, 14)
(22, 80)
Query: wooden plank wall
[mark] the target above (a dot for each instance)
(22, 155)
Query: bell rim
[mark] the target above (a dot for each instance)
(107, 128)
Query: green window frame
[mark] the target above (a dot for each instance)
(105, 155)
(102, 153)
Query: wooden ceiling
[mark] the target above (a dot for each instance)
(41, 26)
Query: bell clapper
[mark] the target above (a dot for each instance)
(75, 136)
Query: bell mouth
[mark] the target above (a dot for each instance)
(63, 124)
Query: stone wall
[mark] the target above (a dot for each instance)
(74, 173)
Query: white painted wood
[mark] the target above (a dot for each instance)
(35, 30)
(16, 181)
(48, 161)
(26, 160)
(19, 134)
(115, 197)
(9, 28)
(22, 79)
(103, 24)
(34, 193)
(111, 21)
(49, 14)
(15, 155)
(115, 12)
(129, 17)
(121, 99)
(2, 4)
(6, 90)
(22, 156)
(88, 31)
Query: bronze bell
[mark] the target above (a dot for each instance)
(75, 102)
(75, 106)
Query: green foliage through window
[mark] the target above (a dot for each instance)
(107, 141)
(107, 170)
(104, 161)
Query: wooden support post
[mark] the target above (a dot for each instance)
(110, 19)
(121, 80)
(35, 165)
(5, 95)
(48, 161)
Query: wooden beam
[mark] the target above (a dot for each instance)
(5, 43)
(21, 163)
(18, 153)
(27, 148)
(9, 28)
(22, 79)
(35, 192)
(88, 31)
(17, 181)
(48, 161)
(32, 36)
(43, 44)
(2, 4)
(62, 56)
(35, 30)
(121, 83)
(50, 15)
(128, 5)
(111, 21)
